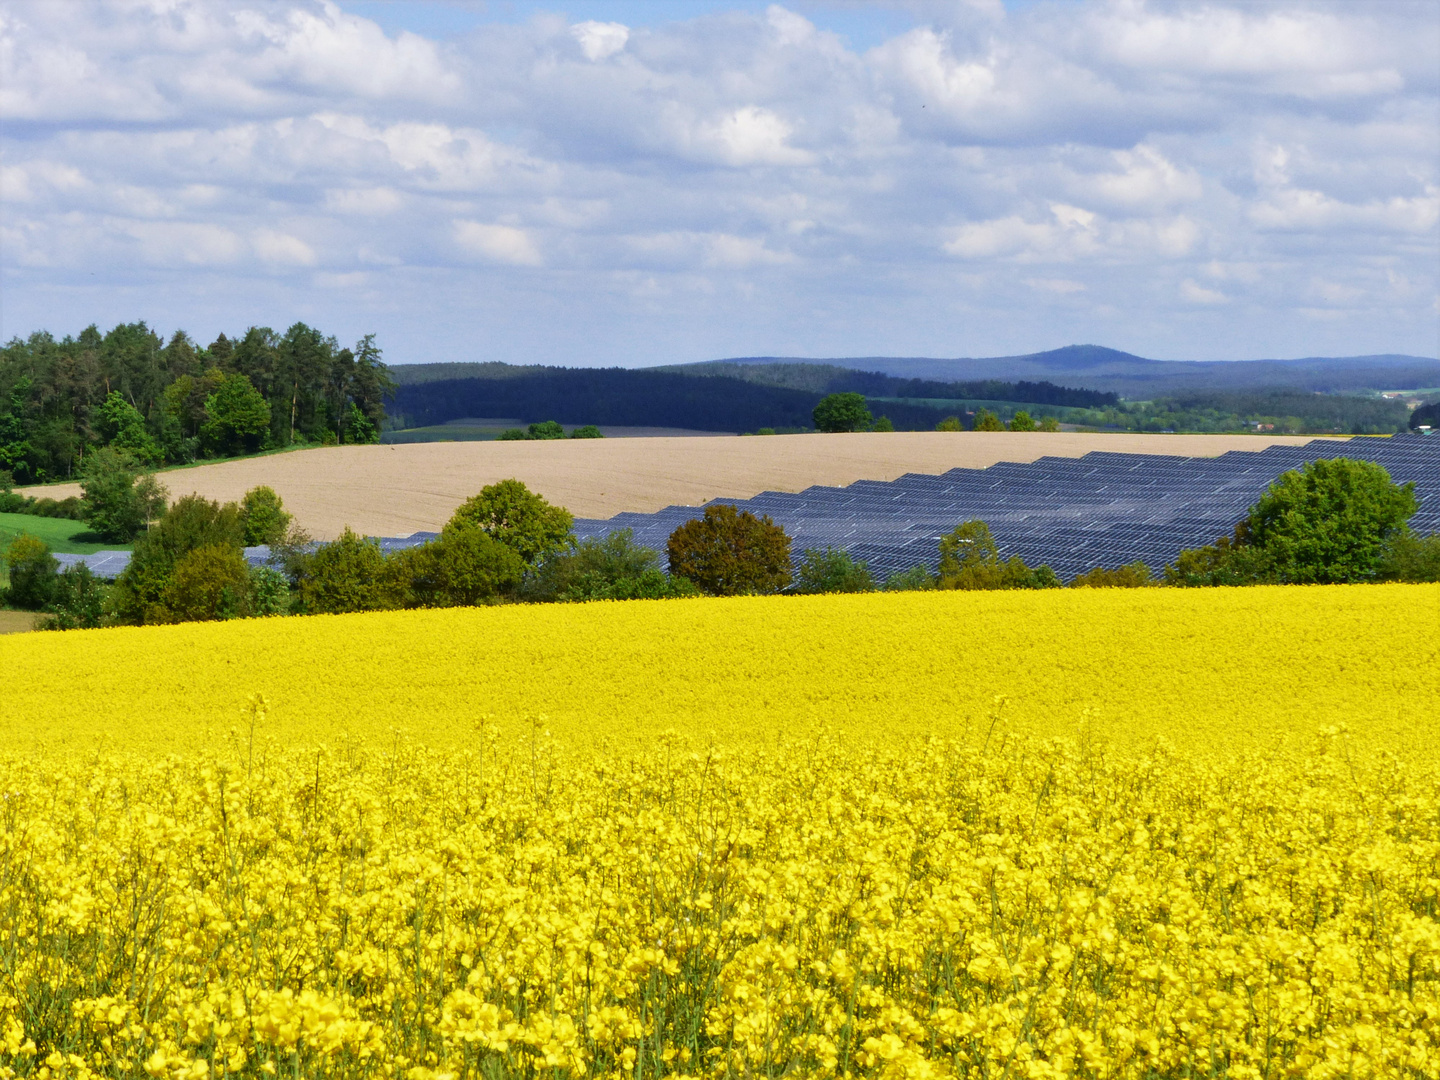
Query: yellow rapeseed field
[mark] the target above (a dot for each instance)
(1103, 834)
(1207, 669)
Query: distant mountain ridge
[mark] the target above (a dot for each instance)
(1096, 367)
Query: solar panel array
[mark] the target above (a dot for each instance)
(103, 564)
(1103, 509)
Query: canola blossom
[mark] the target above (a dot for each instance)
(1023, 908)
(1149, 834)
(1207, 669)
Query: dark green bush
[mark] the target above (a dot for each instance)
(78, 603)
(1135, 575)
(611, 568)
(832, 571)
(1408, 557)
(969, 559)
(915, 579)
(33, 573)
(464, 567)
(269, 592)
(346, 575)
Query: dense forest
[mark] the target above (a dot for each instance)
(833, 379)
(816, 379)
(648, 397)
(627, 398)
(175, 402)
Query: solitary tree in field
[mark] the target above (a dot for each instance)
(842, 412)
(729, 552)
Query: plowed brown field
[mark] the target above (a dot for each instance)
(397, 490)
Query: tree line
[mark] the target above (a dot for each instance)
(1279, 411)
(1331, 521)
(172, 402)
(850, 412)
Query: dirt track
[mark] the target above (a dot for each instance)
(397, 490)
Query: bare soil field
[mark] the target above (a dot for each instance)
(398, 490)
(16, 622)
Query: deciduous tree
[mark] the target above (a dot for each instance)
(464, 567)
(192, 523)
(118, 499)
(33, 572)
(345, 575)
(841, 412)
(985, 420)
(728, 552)
(210, 582)
(517, 517)
(1329, 521)
(263, 519)
(238, 417)
(1021, 421)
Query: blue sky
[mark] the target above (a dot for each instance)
(622, 182)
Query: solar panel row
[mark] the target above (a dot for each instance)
(1103, 509)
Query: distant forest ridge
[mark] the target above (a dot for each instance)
(818, 379)
(621, 397)
(1134, 377)
(708, 401)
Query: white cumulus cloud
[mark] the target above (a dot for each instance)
(600, 40)
(1223, 179)
(501, 243)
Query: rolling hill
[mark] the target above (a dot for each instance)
(1134, 377)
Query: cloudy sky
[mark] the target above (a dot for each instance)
(649, 182)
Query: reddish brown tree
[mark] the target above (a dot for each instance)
(729, 552)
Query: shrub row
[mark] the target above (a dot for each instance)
(1332, 521)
